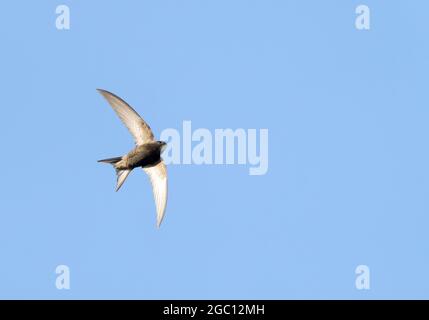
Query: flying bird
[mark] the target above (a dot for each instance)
(146, 154)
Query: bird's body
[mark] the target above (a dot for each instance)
(146, 154)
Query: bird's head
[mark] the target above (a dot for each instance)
(162, 145)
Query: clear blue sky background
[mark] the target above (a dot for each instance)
(348, 181)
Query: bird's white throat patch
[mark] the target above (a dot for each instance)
(224, 146)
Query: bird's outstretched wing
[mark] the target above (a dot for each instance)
(158, 178)
(135, 124)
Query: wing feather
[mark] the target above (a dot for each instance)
(158, 178)
(140, 130)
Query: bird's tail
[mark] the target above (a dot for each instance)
(121, 175)
(111, 160)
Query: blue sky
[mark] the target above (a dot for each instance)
(348, 178)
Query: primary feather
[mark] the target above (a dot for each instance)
(139, 129)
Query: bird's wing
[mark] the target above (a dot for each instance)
(135, 124)
(158, 178)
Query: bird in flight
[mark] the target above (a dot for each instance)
(146, 154)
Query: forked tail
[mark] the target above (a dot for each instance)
(121, 175)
